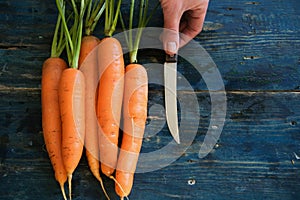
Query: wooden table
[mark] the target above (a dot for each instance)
(256, 47)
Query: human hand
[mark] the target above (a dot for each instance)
(184, 16)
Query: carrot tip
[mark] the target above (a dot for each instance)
(63, 191)
(120, 186)
(70, 185)
(103, 188)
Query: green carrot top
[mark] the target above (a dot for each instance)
(73, 34)
(58, 42)
(94, 11)
(111, 16)
(143, 19)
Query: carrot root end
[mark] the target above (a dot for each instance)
(63, 191)
(103, 188)
(120, 186)
(70, 185)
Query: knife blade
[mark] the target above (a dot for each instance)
(170, 81)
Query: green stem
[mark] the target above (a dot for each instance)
(61, 43)
(106, 25)
(78, 24)
(74, 35)
(130, 25)
(61, 8)
(124, 28)
(145, 10)
(133, 52)
(143, 21)
(88, 13)
(141, 24)
(93, 15)
(111, 17)
(111, 10)
(54, 41)
(97, 17)
(75, 7)
(151, 14)
(142, 17)
(141, 13)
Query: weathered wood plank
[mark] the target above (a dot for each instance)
(255, 45)
(256, 48)
(254, 157)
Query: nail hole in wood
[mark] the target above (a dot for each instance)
(293, 123)
(191, 182)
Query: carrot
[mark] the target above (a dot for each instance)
(72, 104)
(89, 66)
(134, 116)
(110, 92)
(134, 105)
(88, 44)
(109, 105)
(71, 93)
(51, 122)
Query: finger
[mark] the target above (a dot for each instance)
(192, 26)
(171, 27)
(170, 39)
(183, 24)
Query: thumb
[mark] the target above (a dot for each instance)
(170, 35)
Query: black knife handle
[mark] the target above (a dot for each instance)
(171, 59)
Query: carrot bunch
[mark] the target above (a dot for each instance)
(84, 101)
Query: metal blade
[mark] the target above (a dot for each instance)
(170, 75)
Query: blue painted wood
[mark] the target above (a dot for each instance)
(253, 159)
(255, 46)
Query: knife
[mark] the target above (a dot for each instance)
(170, 81)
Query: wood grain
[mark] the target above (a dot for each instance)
(255, 46)
(253, 159)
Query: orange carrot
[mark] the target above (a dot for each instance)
(110, 91)
(88, 55)
(72, 107)
(134, 116)
(88, 43)
(134, 104)
(88, 64)
(51, 122)
(72, 91)
(89, 69)
(109, 105)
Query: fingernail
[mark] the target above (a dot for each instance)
(172, 47)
